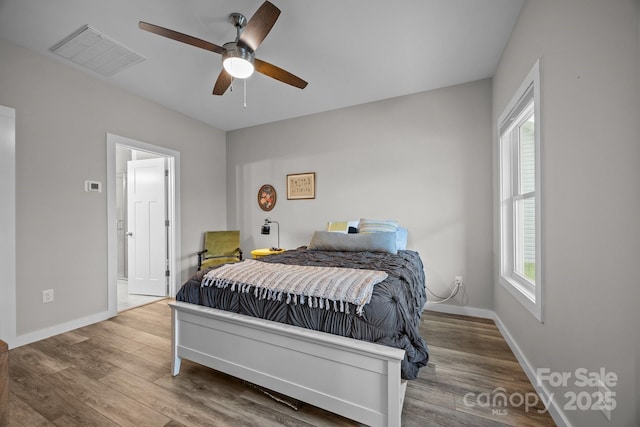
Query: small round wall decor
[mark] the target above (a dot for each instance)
(267, 197)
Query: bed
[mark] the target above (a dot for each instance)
(351, 360)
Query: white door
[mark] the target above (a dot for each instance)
(146, 219)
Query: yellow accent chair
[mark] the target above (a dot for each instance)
(220, 247)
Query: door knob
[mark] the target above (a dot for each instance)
(129, 233)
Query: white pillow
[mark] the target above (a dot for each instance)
(377, 225)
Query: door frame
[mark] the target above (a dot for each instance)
(173, 200)
(8, 225)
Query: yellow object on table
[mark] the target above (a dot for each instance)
(259, 253)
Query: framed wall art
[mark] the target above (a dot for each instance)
(267, 197)
(301, 186)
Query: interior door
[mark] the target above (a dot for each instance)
(146, 227)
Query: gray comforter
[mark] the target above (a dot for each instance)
(391, 318)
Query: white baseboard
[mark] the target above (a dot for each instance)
(554, 409)
(460, 310)
(41, 334)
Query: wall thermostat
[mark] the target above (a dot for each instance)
(93, 186)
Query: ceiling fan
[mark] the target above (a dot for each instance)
(238, 57)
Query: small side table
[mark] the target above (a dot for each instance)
(259, 253)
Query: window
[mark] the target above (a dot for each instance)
(520, 249)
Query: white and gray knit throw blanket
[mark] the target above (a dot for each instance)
(323, 287)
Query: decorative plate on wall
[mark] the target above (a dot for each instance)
(267, 197)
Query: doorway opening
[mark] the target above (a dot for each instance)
(143, 261)
(130, 294)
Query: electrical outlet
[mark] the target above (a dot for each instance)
(606, 396)
(47, 296)
(458, 280)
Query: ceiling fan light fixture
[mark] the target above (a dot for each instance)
(238, 60)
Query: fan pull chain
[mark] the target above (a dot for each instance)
(245, 93)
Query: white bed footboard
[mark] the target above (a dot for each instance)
(356, 379)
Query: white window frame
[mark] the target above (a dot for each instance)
(527, 292)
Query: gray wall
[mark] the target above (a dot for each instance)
(591, 183)
(423, 159)
(62, 117)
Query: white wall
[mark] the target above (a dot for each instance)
(62, 117)
(423, 159)
(591, 183)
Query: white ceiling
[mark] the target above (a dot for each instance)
(350, 51)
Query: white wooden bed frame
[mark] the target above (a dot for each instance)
(356, 379)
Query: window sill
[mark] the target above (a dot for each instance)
(523, 295)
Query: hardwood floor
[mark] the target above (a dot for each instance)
(116, 372)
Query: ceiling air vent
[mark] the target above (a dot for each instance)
(97, 52)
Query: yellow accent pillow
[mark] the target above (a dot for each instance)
(341, 226)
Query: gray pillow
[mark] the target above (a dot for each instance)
(368, 242)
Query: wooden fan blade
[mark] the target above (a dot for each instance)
(259, 25)
(184, 38)
(223, 83)
(279, 74)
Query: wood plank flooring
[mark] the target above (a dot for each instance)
(116, 373)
